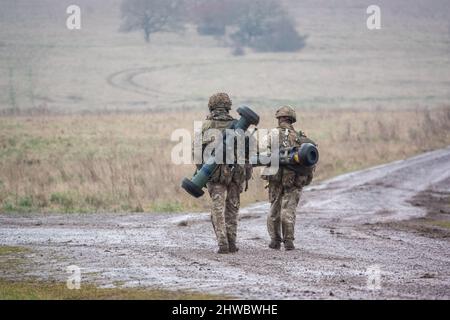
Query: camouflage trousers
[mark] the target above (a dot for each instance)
(224, 210)
(281, 218)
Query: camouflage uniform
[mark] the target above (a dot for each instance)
(226, 183)
(285, 187)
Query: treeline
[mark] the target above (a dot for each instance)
(262, 25)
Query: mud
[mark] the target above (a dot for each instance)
(436, 202)
(345, 230)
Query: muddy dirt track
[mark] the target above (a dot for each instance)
(341, 237)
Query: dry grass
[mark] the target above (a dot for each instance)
(40, 290)
(121, 162)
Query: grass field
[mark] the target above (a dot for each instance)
(344, 65)
(121, 162)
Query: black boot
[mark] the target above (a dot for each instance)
(275, 244)
(233, 248)
(289, 245)
(223, 249)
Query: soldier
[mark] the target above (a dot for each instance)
(226, 183)
(285, 186)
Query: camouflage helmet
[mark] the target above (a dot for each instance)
(219, 100)
(286, 111)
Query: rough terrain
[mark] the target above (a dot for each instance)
(344, 234)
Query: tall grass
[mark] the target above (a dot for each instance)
(119, 162)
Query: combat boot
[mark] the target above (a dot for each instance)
(289, 245)
(233, 248)
(223, 249)
(275, 244)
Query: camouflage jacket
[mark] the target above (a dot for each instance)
(225, 174)
(289, 137)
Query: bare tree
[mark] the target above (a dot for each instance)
(151, 16)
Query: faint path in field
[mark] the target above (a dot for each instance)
(124, 80)
(128, 81)
(338, 236)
